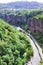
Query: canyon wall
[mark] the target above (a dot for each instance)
(35, 25)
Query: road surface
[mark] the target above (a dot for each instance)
(36, 48)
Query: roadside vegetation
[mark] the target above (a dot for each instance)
(15, 48)
(39, 38)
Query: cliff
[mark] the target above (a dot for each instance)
(35, 25)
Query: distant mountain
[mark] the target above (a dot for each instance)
(22, 4)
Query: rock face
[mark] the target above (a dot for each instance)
(14, 20)
(35, 25)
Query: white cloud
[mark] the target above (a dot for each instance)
(6, 1)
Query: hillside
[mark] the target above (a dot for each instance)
(22, 5)
(15, 48)
(29, 20)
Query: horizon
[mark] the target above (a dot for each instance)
(9, 1)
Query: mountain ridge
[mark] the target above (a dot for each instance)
(22, 4)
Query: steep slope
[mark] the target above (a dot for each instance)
(28, 20)
(15, 48)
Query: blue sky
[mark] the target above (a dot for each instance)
(6, 1)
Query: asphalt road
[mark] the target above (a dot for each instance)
(36, 48)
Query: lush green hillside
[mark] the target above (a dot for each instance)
(15, 48)
(39, 38)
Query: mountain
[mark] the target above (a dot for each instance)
(22, 4)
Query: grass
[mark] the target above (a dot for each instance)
(15, 48)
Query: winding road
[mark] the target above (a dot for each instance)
(36, 48)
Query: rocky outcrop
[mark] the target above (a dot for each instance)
(14, 20)
(35, 25)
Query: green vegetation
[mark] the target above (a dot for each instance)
(22, 12)
(15, 48)
(39, 16)
(35, 12)
(15, 12)
(29, 13)
(39, 38)
(4, 11)
(41, 63)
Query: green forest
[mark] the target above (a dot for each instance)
(15, 48)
